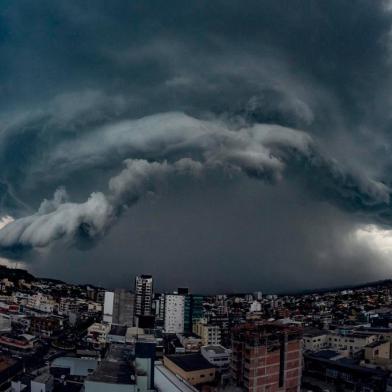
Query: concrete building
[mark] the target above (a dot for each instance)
(209, 334)
(97, 334)
(217, 355)
(143, 295)
(350, 342)
(108, 307)
(167, 381)
(193, 368)
(119, 307)
(315, 340)
(174, 313)
(255, 306)
(379, 353)
(119, 373)
(73, 366)
(123, 308)
(42, 383)
(5, 323)
(266, 357)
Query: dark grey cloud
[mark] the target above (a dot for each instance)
(224, 85)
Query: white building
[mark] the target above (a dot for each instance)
(217, 355)
(255, 306)
(41, 302)
(174, 313)
(108, 307)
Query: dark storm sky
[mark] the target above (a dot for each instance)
(223, 145)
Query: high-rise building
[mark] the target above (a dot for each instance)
(119, 307)
(123, 307)
(108, 306)
(194, 311)
(174, 313)
(143, 295)
(267, 357)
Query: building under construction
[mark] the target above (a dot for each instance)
(267, 357)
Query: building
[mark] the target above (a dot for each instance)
(167, 381)
(143, 295)
(119, 307)
(19, 343)
(193, 311)
(351, 342)
(42, 383)
(193, 368)
(108, 307)
(209, 334)
(117, 334)
(217, 355)
(121, 372)
(344, 373)
(73, 366)
(97, 334)
(174, 313)
(45, 326)
(123, 307)
(315, 340)
(266, 357)
(5, 323)
(379, 353)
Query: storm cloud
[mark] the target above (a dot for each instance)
(139, 105)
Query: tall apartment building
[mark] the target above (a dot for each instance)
(174, 313)
(123, 307)
(119, 307)
(108, 305)
(267, 357)
(194, 310)
(143, 295)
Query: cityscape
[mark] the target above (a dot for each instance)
(196, 195)
(56, 336)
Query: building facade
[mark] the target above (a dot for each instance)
(267, 357)
(143, 295)
(174, 313)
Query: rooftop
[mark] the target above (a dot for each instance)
(118, 330)
(190, 362)
(217, 349)
(116, 368)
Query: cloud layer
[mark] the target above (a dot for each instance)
(140, 105)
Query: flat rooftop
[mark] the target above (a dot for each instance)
(215, 349)
(165, 380)
(313, 333)
(118, 330)
(190, 362)
(113, 373)
(116, 368)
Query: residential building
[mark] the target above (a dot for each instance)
(266, 357)
(210, 334)
(143, 295)
(174, 313)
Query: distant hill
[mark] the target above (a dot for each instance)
(377, 283)
(15, 274)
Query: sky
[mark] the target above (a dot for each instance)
(220, 145)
